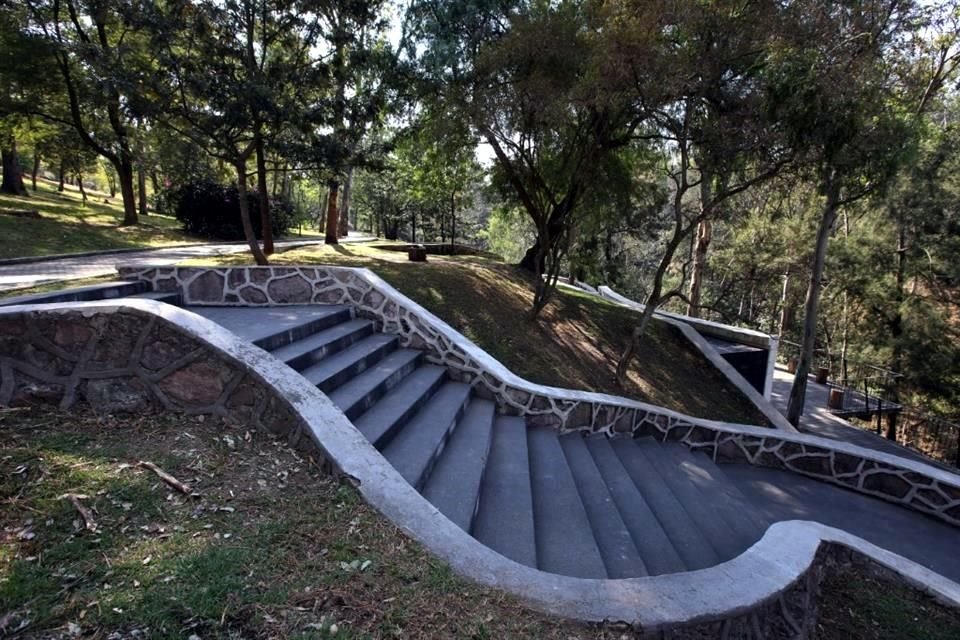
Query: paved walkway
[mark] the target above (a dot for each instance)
(15, 276)
(818, 420)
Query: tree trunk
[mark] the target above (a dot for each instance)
(656, 293)
(704, 236)
(83, 193)
(344, 227)
(786, 308)
(896, 323)
(798, 392)
(333, 217)
(12, 176)
(653, 301)
(845, 315)
(62, 176)
(36, 170)
(125, 177)
(453, 224)
(266, 229)
(251, 238)
(142, 190)
(155, 184)
(702, 243)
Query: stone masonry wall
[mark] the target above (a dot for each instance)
(911, 484)
(132, 361)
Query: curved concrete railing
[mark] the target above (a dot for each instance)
(140, 352)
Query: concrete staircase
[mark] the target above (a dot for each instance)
(589, 507)
(577, 505)
(101, 291)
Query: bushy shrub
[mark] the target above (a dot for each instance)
(213, 211)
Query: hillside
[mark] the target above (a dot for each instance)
(575, 343)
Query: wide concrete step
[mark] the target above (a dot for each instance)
(504, 519)
(651, 540)
(620, 555)
(746, 522)
(331, 372)
(699, 506)
(416, 447)
(314, 348)
(102, 291)
(690, 542)
(454, 484)
(565, 539)
(360, 393)
(385, 418)
(273, 327)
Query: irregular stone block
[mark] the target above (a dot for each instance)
(117, 394)
(252, 295)
(244, 395)
(164, 347)
(29, 390)
(12, 327)
(207, 287)
(237, 278)
(932, 497)
(72, 336)
(259, 275)
(330, 296)
(199, 384)
(887, 484)
(166, 285)
(117, 342)
(544, 420)
(289, 289)
(390, 310)
(373, 299)
(844, 464)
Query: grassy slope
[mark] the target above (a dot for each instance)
(69, 227)
(575, 345)
(269, 548)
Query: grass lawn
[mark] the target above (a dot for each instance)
(267, 548)
(66, 226)
(575, 344)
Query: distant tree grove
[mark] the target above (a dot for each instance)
(789, 166)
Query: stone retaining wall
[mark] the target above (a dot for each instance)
(128, 360)
(912, 484)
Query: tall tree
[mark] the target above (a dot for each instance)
(529, 80)
(217, 91)
(844, 110)
(359, 60)
(93, 45)
(697, 77)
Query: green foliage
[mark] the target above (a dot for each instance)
(210, 210)
(508, 233)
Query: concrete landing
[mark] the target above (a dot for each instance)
(256, 323)
(782, 495)
(819, 421)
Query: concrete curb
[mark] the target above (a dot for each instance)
(768, 569)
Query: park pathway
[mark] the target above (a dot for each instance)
(818, 420)
(27, 274)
